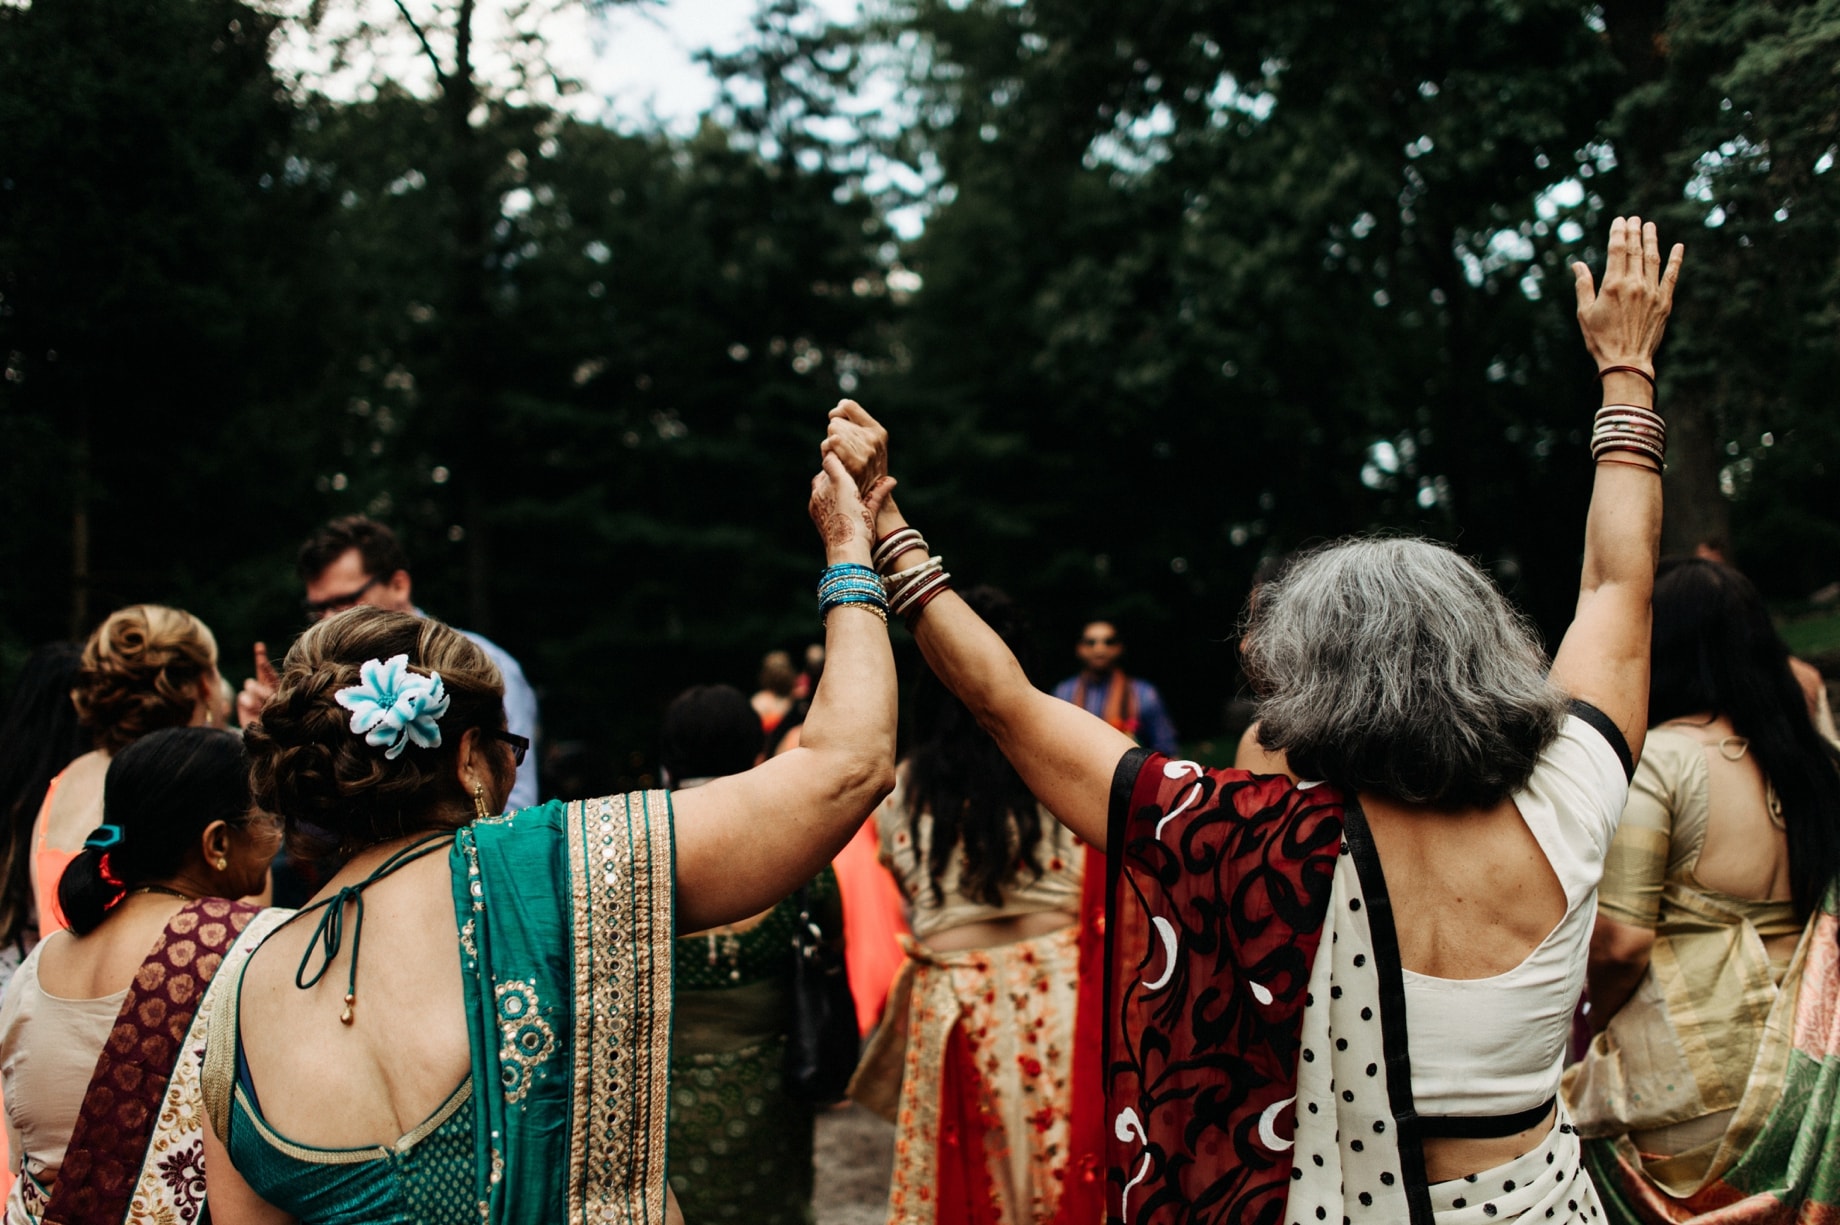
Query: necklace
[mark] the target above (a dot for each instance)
(184, 897)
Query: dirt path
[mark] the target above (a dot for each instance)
(854, 1150)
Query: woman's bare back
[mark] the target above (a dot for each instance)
(1746, 851)
(327, 1084)
(1472, 892)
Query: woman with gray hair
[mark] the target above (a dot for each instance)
(1343, 990)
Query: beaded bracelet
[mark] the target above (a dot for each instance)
(850, 584)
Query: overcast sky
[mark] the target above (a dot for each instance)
(640, 58)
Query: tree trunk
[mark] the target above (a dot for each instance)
(470, 368)
(1696, 510)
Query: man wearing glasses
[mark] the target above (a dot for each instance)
(356, 560)
(1134, 707)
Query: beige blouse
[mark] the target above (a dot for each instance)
(48, 1049)
(1061, 855)
(1681, 1056)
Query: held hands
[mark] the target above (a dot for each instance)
(844, 516)
(860, 442)
(1623, 321)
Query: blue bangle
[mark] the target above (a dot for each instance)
(843, 585)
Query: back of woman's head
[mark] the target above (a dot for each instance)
(39, 735)
(143, 669)
(981, 811)
(1716, 652)
(710, 731)
(777, 675)
(337, 792)
(160, 795)
(1395, 667)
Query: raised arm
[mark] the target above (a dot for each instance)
(1065, 755)
(746, 841)
(1603, 658)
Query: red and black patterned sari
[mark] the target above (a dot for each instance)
(1256, 1068)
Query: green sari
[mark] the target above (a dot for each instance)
(741, 1144)
(564, 920)
(565, 917)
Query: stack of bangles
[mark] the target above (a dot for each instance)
(912, 589)
(1632, 430)
(847, 583)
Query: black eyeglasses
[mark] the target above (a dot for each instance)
(319, 610)
(520, 745)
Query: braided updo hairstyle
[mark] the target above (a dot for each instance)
(141, 671)
(338, 794)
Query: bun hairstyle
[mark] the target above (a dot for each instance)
(161, 794)
(140, 672)
(336, 793)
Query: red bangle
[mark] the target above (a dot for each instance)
(913, 614)
(1649, 466)
(1637, 370)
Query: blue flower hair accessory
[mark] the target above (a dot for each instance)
(392, 706)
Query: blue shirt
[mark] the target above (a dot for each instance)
(1154, 730)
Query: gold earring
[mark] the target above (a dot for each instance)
(479, 802)
(222, 863)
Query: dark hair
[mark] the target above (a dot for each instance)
(959, 777)
(709, 731)
(1716, 652)
(377, 545)
(335, 792)
(39, 735)
(161, 792)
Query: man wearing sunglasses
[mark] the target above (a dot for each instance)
(1132, 706)
(356, 560)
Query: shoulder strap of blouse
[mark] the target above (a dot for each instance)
(1612, 734)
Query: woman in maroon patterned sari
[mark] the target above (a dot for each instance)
(1341, 989)
(102, 1102)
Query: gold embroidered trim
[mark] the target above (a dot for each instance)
(216, 1020)
(620, 869)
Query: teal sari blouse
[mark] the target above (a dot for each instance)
(564, 915)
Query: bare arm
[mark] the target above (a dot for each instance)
(1619, 959)
(1064, 754)
(1603, 658)
(746, 841)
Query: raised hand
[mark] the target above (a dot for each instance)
(860, 442)
(1624, 320)
(257, 689)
